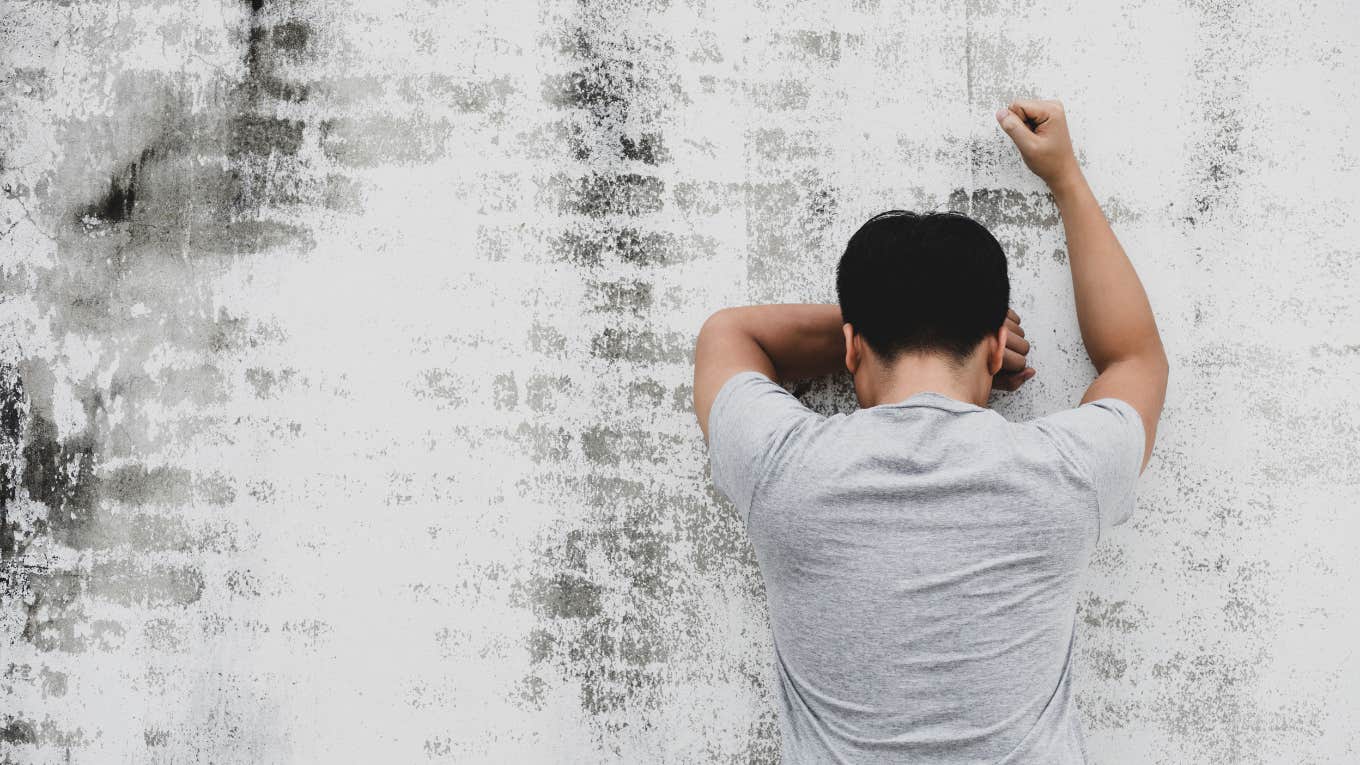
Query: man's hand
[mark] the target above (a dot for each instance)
(1039, 130)
(1113, 311)
(1013, 372)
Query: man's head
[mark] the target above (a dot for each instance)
(931, 285)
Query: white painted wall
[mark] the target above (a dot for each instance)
(361, 432)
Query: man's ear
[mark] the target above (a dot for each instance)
(852, 358)
(997, 357)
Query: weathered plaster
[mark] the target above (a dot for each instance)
(345, 360)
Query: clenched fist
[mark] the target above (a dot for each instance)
(1039, 130)
(1015, 370)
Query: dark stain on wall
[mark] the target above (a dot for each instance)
(458, 93)
(271, 39)
(599, 195)
(609, 85)
(615, 652)
(140, 486)
(118, 202)
(291, 36)
(589, 247)
(19, 731)
(995, 208)
(57, 472)
(568, 595)
(642, 346)
(11, 445)
(384, 140)
(544, 393)
(625, 296)
(601, 585)
(611, 607)
(1210, 705)
(646, 148)
(504, 391)
(790, 224)
(135, 248)
(1221, 56)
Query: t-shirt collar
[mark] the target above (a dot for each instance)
(934, 400)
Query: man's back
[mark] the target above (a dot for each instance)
(921, 555)
(921, 560)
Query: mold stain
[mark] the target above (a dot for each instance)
(543, 393)
(790, 223)
(1006, 207)
(613, 82)
(1219, 64)
(60, 473)
(1119, 615)
(199, 173)
(12, 413)
(628, 297)
(119, 201)
(642, 346)
(589, 247)
(600, 195)
(600, 585)
(602, 627)
(1208, 703)
(610, 608)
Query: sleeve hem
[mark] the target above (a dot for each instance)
(717, 444)
(1130, 413)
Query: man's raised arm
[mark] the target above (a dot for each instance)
(1117, 325)
(783, 341)
(796, 341)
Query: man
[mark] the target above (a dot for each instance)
(921, 555)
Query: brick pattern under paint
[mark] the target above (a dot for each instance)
(345, 360)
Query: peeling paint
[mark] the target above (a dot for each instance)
(345, 360)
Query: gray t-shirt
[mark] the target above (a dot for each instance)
(921, 562)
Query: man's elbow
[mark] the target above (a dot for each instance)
(1157, 360)
(1153, 366)
(1149, 356)
(709, 338)
(719, 321)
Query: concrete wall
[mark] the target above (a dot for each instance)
(345, 360)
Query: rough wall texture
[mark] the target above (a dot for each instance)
(344, 360)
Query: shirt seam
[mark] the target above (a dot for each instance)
(1142, 443)
(1084, 467)
(1125, 410)
(719, 406)
(766, 470)
(762, 470)
(952, 405)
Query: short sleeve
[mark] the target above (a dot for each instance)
(750, 426)
(1104, 439)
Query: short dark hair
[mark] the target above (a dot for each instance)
(923, 282)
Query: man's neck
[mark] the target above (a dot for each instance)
(920, 373)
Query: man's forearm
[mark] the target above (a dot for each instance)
(1112, 308)
(802, 339)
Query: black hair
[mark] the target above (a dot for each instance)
(923, 282)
